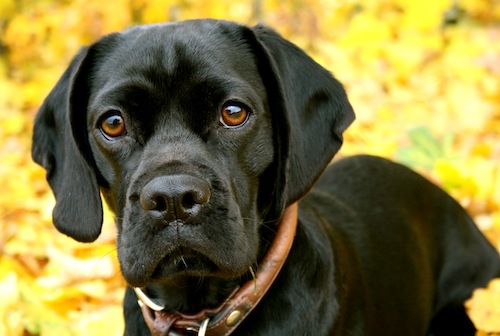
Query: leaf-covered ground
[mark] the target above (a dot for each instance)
(423, 77)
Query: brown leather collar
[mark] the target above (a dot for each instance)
(224, 319)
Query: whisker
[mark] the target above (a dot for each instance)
(184, 261)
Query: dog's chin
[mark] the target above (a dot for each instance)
(187, 263)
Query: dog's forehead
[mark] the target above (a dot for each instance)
(172, 59)
(187, 49)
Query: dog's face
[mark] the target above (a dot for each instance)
(196, 134)
(181, 131)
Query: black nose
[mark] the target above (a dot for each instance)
(172, 197)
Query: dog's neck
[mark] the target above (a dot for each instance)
(186, 295)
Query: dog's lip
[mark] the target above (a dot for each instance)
(178, 262)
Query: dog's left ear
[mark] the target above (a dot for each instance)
(313, 104)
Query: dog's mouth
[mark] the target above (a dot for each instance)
(179, 263)
(183, 262)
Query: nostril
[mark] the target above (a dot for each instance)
(188, 201)
(155, 201)
(160, 204)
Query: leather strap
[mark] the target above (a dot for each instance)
(224, 319)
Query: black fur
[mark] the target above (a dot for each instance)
(379, 250)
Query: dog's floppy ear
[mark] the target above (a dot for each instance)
(313, 104)
(72, 177)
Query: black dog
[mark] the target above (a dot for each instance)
(199, 135)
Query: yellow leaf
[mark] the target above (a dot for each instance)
(366, 30)
(421, 15)
(10, 318)
(454, 179)
(39, 319)
(13, 124)
(484, 307)
(65, 269)
(7, 9)
(107, 321)
(9, 291)
(9, 265)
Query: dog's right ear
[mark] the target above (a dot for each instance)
(78, 210)
(310, 111)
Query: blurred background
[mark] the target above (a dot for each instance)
(423, 77)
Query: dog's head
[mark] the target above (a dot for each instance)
(196, 134)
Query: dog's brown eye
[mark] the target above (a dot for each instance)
(113, 124)
(233, 115)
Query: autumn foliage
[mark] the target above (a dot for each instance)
(423, 77)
